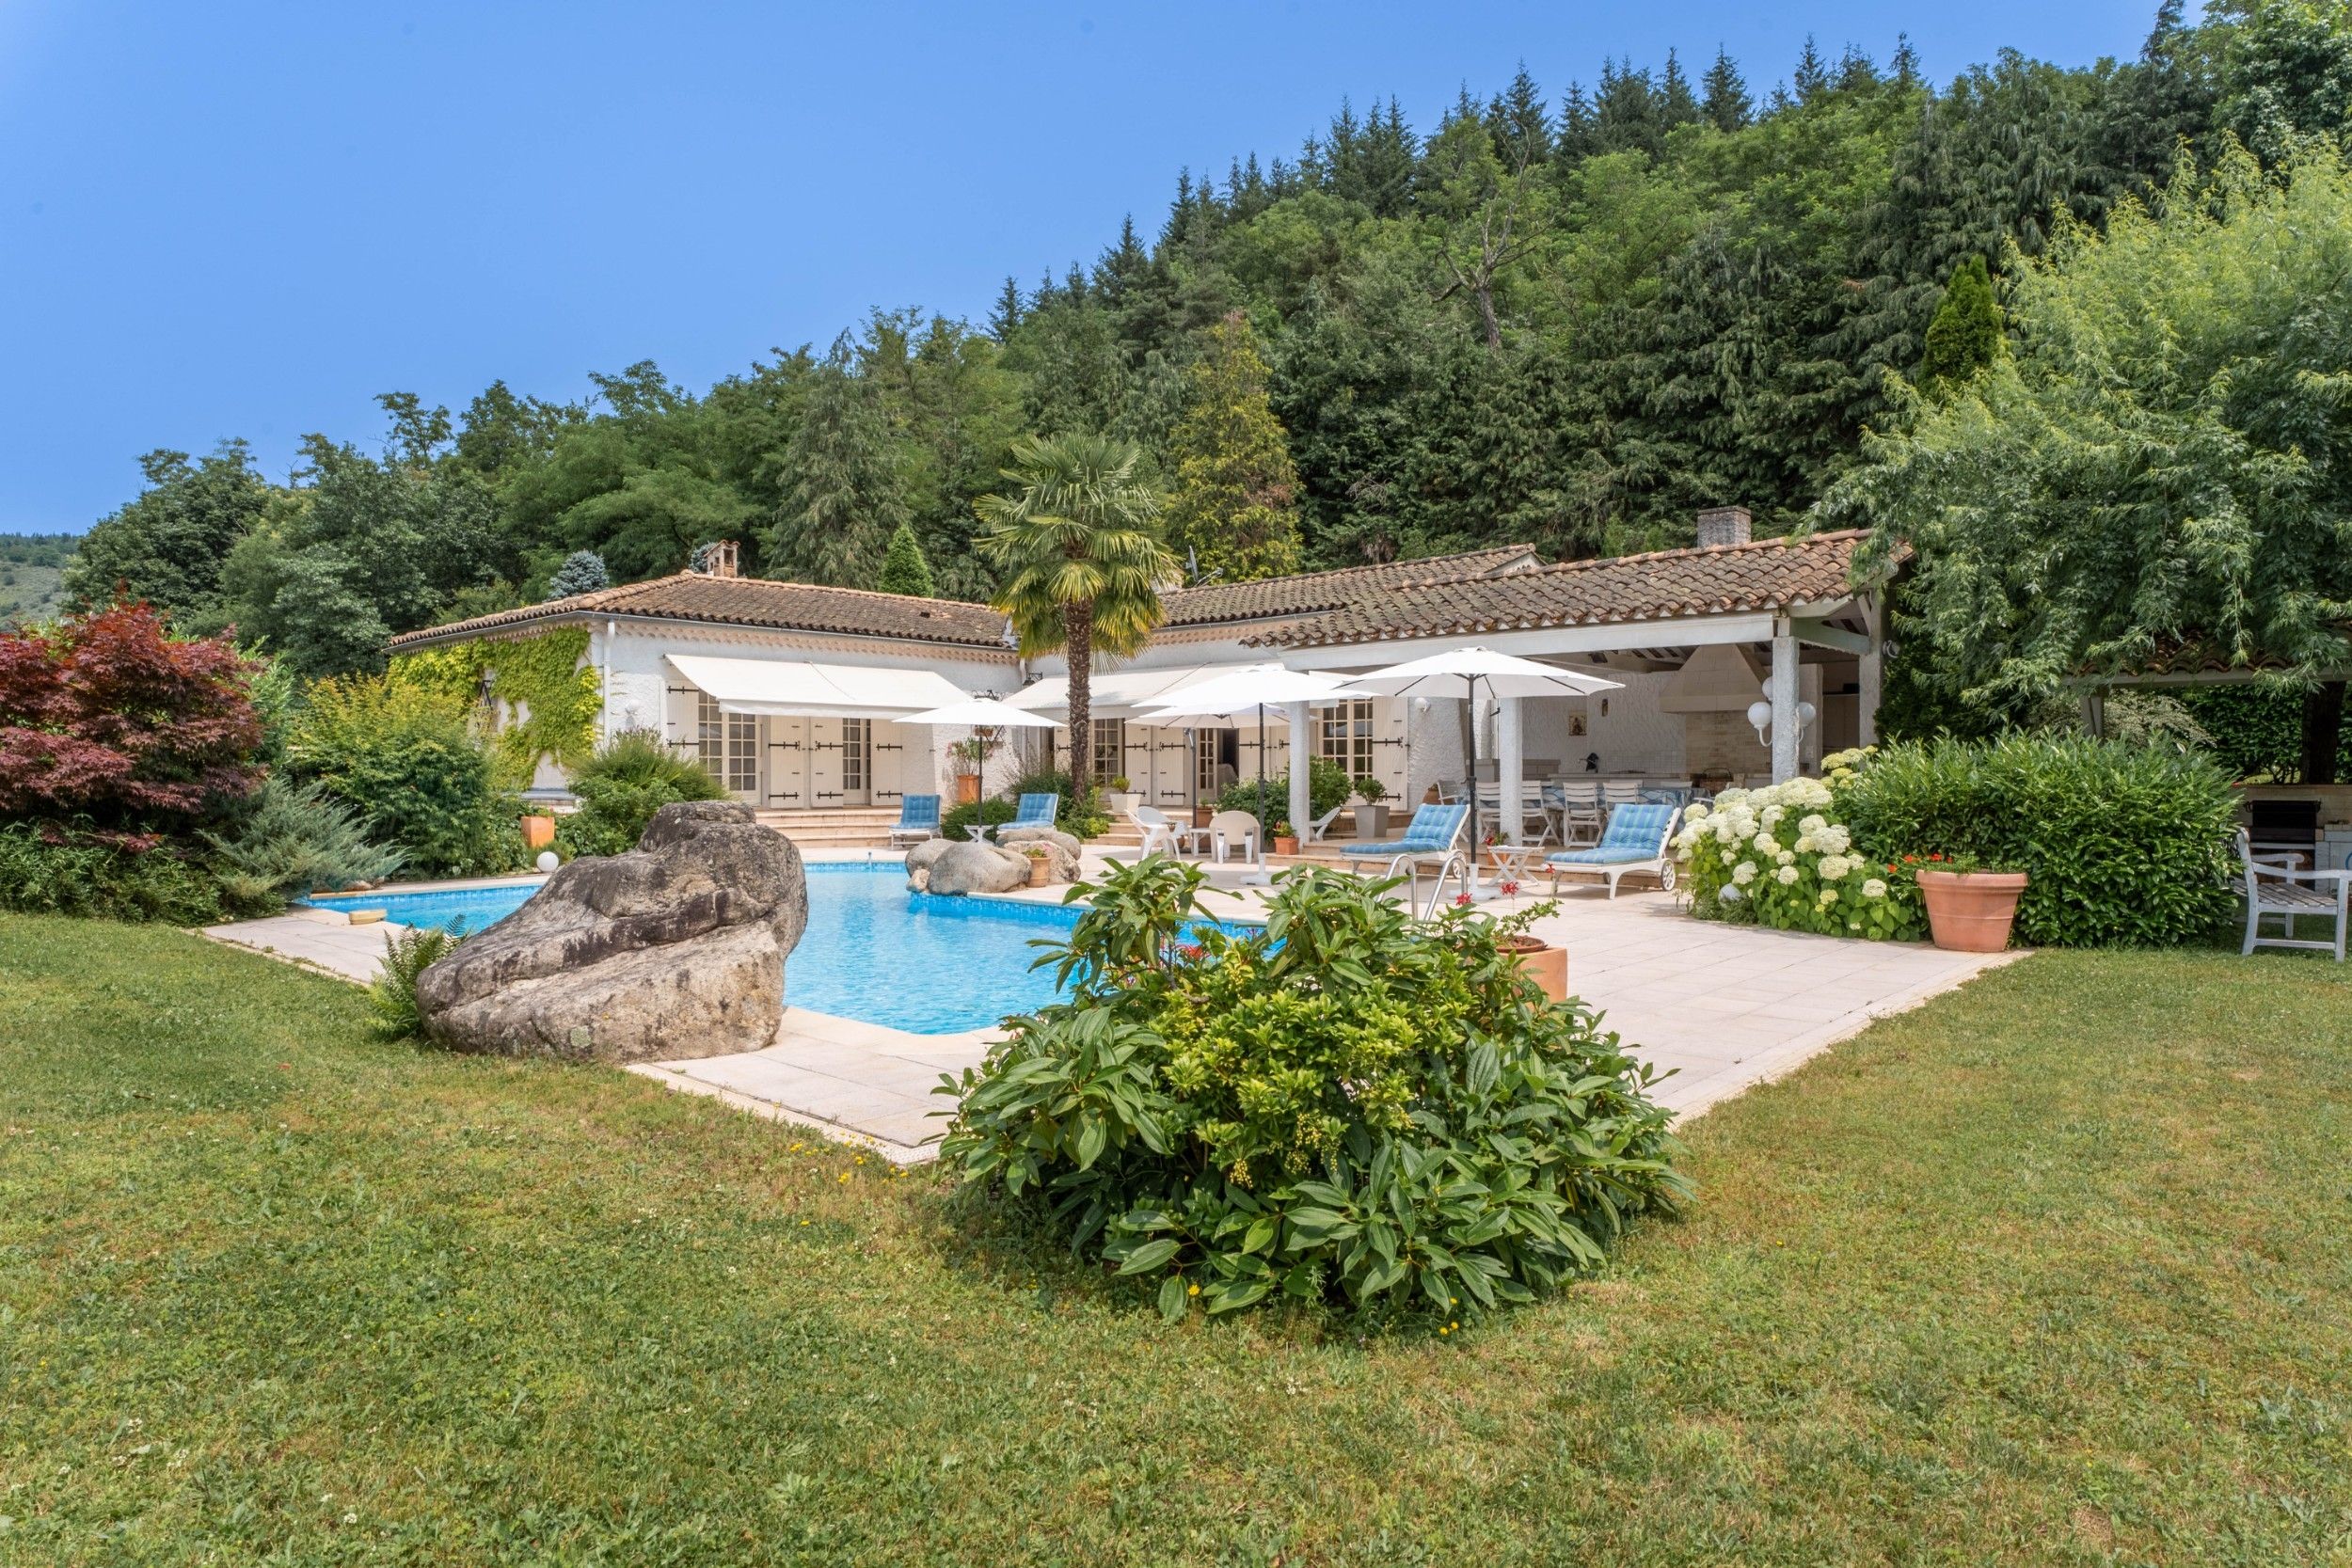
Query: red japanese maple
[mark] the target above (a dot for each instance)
(106, 717)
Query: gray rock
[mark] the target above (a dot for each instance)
(1038, 833)
(675, 949)
(977, 868)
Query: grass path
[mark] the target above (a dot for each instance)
(2053, 1271)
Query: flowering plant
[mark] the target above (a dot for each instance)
(1781, 857)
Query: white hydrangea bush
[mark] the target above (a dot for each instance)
(1781, 857)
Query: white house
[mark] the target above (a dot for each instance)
(793, 694)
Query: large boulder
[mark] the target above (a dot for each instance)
(973, 868)
(674, 949)
(1061, 849)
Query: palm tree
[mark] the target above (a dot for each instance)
(1080, 568)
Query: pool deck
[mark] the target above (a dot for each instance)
(1720, 1008)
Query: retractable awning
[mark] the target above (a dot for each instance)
(799, 688)
(1120, 694)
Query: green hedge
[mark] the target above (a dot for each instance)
(2125, 845)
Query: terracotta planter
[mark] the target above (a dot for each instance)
(1041, 871)
(538, 831)
(1200, 815)
(1543, 963)
(1970, 912)
(967, 788)
(1286, 847)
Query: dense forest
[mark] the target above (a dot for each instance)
(1569, 317)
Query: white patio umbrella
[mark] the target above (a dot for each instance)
(981, 713)
(1465, 673)
(1220, 701)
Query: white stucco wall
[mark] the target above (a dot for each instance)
(643, 691)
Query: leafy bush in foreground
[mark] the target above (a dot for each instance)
(1349, 1107)
(629, 778)
(2125, 845)
(52, 870)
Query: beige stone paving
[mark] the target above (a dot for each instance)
(1719, 1008)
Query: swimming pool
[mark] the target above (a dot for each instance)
(872, 951)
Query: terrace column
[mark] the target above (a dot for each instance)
(1510, 765)
(1871, 680)
(1784, 700)
(1302, 756)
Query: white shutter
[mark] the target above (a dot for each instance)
(824, 763)
(787, 762)
(888, 761)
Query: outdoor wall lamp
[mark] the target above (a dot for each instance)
(1760, 716)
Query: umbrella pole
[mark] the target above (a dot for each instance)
(1469, 870)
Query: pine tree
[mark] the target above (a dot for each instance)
(1677, 105)
(582, 572)
(1811, 77)
(1725, 103)
(1235, 501)
(1579, 136)
(1904, 68)
(1516, 121)
(1008, 313)
(845, 497)
(904, 570)
(1966, 335)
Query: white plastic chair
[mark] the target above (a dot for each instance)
(2275, 887)
(1157, 830)
(1321, 825)
(1228, 828)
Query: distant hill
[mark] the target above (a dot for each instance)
(31, 565)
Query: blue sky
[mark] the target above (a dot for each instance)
(228, 220)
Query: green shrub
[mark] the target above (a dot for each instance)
(1348, 1107)
(990, 808)
(628, 779)
(293, 839)
(393, 998)
(1080, 814)
(57, 871)
(406, 759)
(1327, 785)
(2125, 845)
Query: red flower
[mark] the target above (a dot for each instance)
(1461, 900)
(1510, 890)
(1935, 857)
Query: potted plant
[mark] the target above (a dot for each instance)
(971, 759)
(1284, 836)
(1540, 961)
(1970, 905)
(1120, 797)
(1372, 810)
(538, 831)
(1040, 864)
(1200, 815)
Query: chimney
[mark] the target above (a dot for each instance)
(1721, 526)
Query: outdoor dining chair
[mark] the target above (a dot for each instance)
(1235, 829)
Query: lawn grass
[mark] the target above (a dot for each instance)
(2053, 1270)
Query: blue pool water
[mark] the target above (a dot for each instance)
(872, 950)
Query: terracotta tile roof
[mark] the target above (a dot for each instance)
(753, 602)
(1767, 574)
(1311, 592)
(805, 606)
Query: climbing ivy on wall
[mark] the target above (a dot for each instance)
(549, 699)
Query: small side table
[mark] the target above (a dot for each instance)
(1517, 862)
